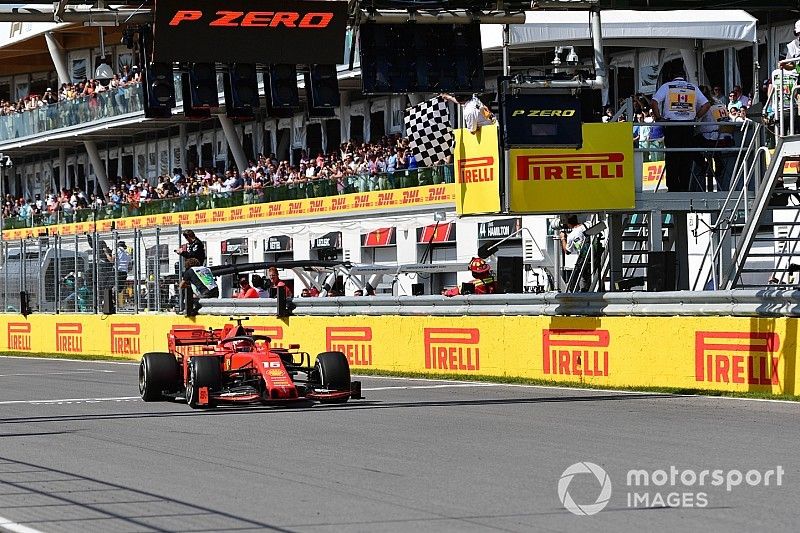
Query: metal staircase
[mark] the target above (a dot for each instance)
(756, 233)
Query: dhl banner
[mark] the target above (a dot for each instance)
(477, 168)
(652, 173)
(330, 205)
(716, 353)
(596, 177)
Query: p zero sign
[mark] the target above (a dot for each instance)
(252, 31)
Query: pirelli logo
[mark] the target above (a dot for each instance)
(737, 357)
(354, 342)
(575, 352)
(568, 167)
(452, 349)
(476, 169)
(69, 337)
(19, 336)
(275, 334)
(125, 339)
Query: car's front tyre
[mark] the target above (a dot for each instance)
(203, 372)
(158, 372)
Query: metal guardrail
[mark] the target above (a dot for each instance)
(772, 303)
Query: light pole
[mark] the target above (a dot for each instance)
(5, 161)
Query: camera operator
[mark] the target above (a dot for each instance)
(573, 240)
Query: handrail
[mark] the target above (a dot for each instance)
(722, 224)
(795, 91)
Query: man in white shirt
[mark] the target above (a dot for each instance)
(718, 134)
(793, 48)
(476, 114)
(678, 101)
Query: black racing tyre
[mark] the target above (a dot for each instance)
(158, 372)
(203, 372)
(334, 371)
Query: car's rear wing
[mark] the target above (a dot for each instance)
(191, 336)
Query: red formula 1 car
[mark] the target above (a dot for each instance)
(208, 367)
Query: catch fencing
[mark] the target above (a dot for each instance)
(133, 271)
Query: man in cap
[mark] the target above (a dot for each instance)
(122, 261)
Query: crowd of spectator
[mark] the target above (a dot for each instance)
(354, 167)
(94, 98)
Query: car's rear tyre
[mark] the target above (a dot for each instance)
(158, 372)
(334, 373)
(203, 372)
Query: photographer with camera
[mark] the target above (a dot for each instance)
(573, 241)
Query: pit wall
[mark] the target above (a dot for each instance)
(717, 353)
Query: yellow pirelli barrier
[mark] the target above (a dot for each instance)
(718, 353)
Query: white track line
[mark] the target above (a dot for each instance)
(8, 525)
(82, 371)
(590, 389)
(55, 359)
(71, 400)
(449, 386)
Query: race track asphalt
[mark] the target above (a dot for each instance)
(80, 452)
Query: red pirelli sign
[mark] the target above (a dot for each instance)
(355, 342)
(125, 339)
(69, 337)
(19, 336)
(452, 349)
(737, 357)
(575, 352)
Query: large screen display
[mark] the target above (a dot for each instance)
(250, 31)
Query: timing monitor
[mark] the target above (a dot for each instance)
(250, 31)
(540, 120)
(403, 58)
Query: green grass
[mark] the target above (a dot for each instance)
(487, 379)
(574, 385)
(81, 356)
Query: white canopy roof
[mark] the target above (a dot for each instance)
(649, 29)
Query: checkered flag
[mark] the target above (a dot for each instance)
(429, 133)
